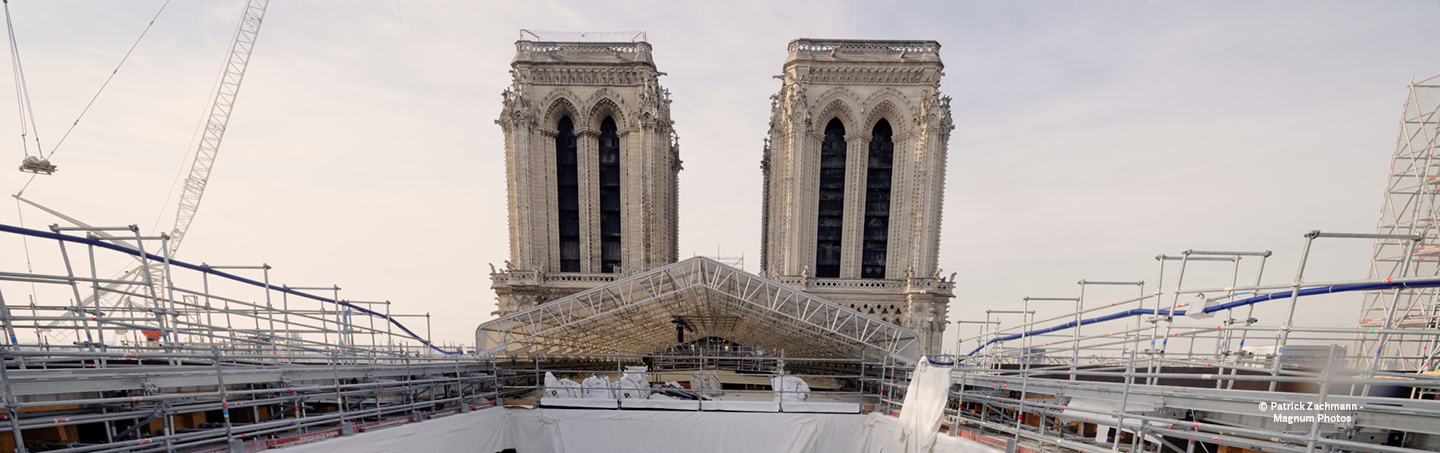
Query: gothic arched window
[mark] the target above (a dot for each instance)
(832, 201)
(568, 196)
(609, 196)
(877, 202)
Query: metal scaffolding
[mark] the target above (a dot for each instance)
(1410, 208)
(202, 357)
(1189, 366)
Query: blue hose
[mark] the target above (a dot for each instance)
(218, 273)
(1225, 306)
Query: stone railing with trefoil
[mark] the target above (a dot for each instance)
(865, 47)
(575, 277)
(919, 284)
(581, 48)
(516, 277)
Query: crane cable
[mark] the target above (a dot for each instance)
(15, 52)
(22, 96)
(108, 79)
(22, 92)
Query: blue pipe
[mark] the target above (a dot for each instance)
(1225, 306)
(218, 273)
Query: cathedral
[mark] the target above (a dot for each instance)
(854, 172)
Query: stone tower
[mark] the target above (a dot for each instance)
(854, 174)
(591, 162)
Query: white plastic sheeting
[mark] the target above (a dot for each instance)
(706, 383)
(881, 430)
(660, 402)
(581, 403)
(740, 406)
(821, 407)
(590, 431)
(485, 430)
(924, 405)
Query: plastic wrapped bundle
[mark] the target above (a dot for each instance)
(598, 387)
(789, 388)
(560, 388)
(633, 384)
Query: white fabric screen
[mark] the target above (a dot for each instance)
(601, 431)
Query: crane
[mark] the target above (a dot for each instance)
(233, 73)
(193, 188)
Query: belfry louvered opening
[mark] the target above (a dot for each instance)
(609, 196)
(877, 202)
(567, 196)
(832, 201)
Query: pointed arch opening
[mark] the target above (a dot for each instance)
(832, 201)
(610, 237)
(879, 166)
(568, 195)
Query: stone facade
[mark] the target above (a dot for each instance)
(586, 83)
(879, 236)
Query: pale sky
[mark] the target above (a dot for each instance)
(1091, 136)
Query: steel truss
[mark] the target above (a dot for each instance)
(636, 315)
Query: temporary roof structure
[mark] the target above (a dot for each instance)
(638, 315)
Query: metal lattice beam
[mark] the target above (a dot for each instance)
(634, 314)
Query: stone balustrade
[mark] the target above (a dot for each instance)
(573, 277)
(864, 47)
(530, 277)
(919, 284)
(582, 53)
(513, 276)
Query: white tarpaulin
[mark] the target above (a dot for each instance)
(485, 431)
(789, 388)
(880, 431)
(604, 431)
(924, 405)
(706, 383)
